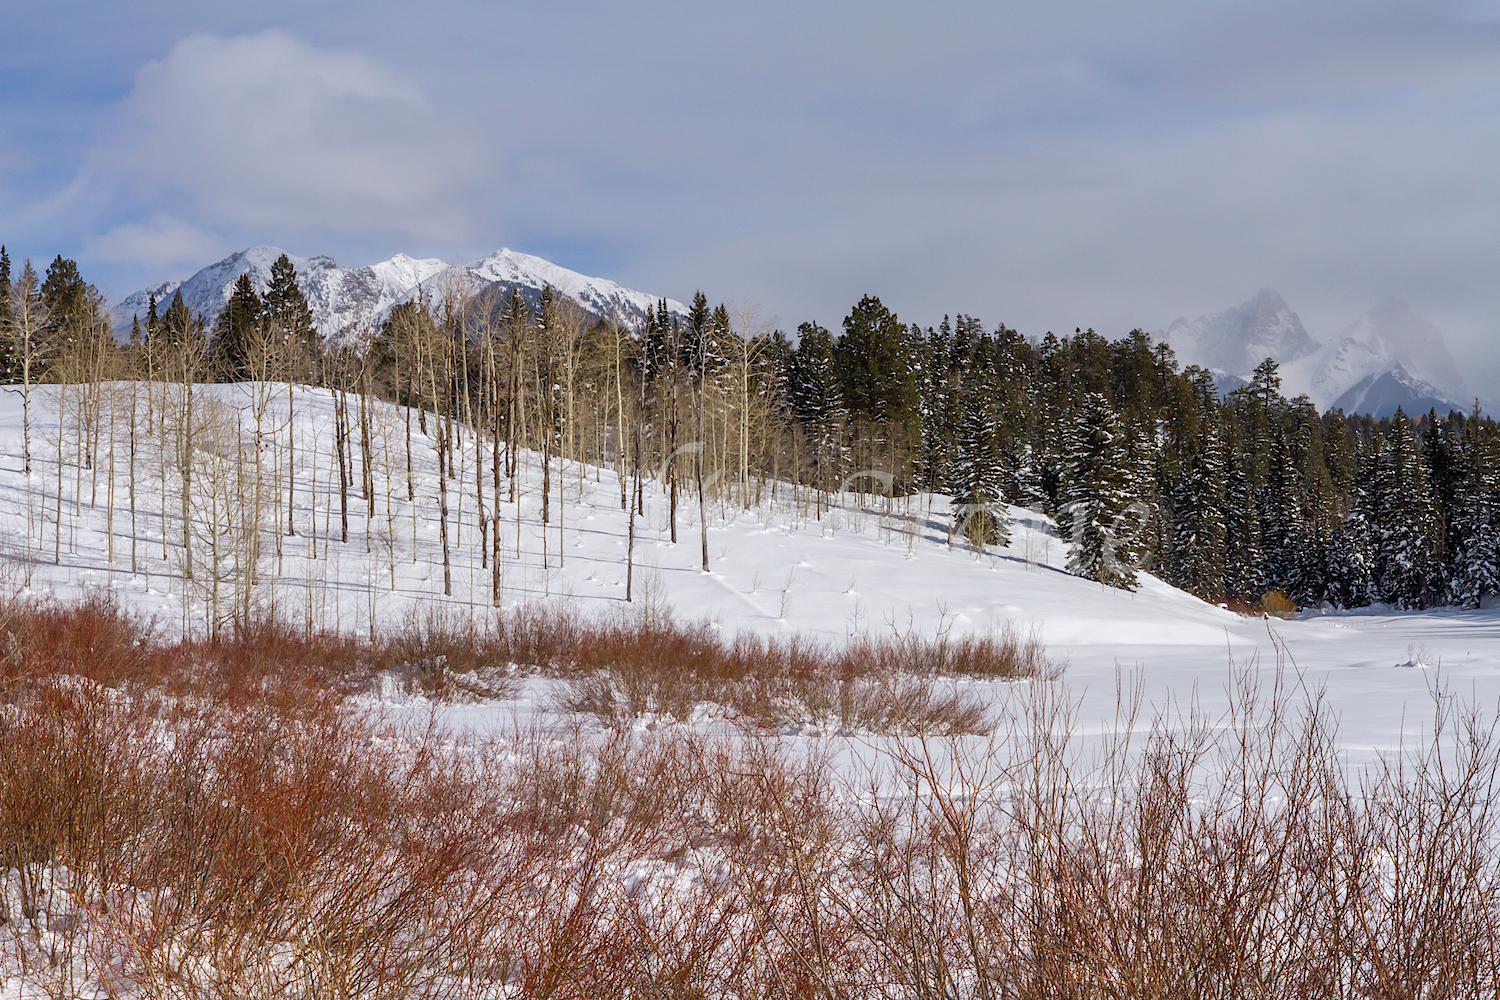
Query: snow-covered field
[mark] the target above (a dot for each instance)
(688, 877)
(865, 566)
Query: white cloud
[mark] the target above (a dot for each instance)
(267, 131)
(161, 242)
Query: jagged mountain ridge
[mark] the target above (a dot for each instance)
(343, 300)
(1389, 357)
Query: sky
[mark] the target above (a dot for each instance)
(1047, 166)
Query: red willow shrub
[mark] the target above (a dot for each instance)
(233, 849)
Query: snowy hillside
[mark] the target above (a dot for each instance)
(865, 566)
(343, 297)
(1388, 357)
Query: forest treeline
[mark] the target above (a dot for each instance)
(1144, 463)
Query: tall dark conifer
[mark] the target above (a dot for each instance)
(236, 329)
(1197, 530)
(1095, 517)
(286, 310)
(1244, 563)
(1408, 547)
(977, 500)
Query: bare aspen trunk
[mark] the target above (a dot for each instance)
(484, 551)
(134, 382)
(698, 457)
(187, 471)
(621, 467)
(62, 406)
(366, 449)
(109, 516)
(341, 450)
(291, 455)
(411, 486)
(630, 534)
(443, 518)
(672, 455)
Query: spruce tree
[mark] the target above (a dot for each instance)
(1095, 515)
(5, 289)
(286, 309)
(1348, 580)
(1244, 563)
(1282, 530)
(1197, 530)
(10, 360)
(1476, 522)
(816, 401)
(236, 329)
(877, 369)
(178, 326)
(1408, 547)
(153, 319)
(977, 500)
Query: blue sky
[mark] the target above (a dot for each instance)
(1043, 165)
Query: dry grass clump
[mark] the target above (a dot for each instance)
(906, 683)
(1278, 604)
(617, 668)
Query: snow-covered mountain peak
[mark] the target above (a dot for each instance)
(1238, 339)
(1390, 328)
(1388, 357)
(351, 301)
(600, 296)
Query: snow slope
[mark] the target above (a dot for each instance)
(862, 567)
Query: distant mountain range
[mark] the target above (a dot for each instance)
(1389, 357)
(343, 299)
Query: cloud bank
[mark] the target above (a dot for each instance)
(1079, 163)
(267, 131)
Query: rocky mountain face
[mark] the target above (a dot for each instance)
(1389, 357)
(352, 301)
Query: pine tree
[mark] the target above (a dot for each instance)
(977, 501)
(286, 309)
(235, 330)
(1196, 557)
(1244, 563)
(1408, 547)
(1283, 537)
(1096, 515)
(877, 369)
(1476, 522)
(10, 359)
(816, 401)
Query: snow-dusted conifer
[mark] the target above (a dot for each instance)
(1096, 514)
(1244, 564)
(1197, 537)
(1407, 547)
(977, 497)
(1476, 523)
(1283, 535)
